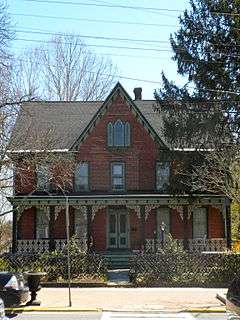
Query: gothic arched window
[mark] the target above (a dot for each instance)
(118, 134)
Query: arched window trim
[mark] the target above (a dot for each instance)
(119, 134)
(127, 134)
(110, 134)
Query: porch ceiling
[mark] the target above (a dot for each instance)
(121, 199)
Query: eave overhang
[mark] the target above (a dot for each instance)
(122, 199)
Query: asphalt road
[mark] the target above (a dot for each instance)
(118, 316)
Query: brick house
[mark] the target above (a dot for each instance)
(121, 190)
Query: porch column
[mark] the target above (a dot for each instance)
(142, 230)
(89, 229)
(228, 226)
(14, 230)
(52, 246)
(185, 228)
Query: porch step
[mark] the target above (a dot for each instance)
(118, 260)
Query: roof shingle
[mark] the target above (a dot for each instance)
(57, 125)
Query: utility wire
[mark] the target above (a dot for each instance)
(116, 55)
(121, 47)
(95, 20)
(149, 81)
(107, 5)
(101, 46)
(107, 74)
(152, 9)
(102, 21)
(135, 56)
(47, 32)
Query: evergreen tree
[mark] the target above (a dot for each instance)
(207, 51)
(205, 113)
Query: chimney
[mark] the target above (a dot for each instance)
(138, 93)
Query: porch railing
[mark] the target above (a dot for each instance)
(194, 245)
(42, 245)
(32, 245)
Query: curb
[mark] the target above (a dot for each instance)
(72, 309)
(204, 310)
(52, 309)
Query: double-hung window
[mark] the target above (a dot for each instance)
(118, 134)
(200, 223)
(82, 177)
(43, 177)
(118, 176)
(42, 224)
(162, 175)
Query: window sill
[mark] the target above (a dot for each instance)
(119, 148)
(118, 190)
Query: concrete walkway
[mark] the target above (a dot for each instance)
(118, 277)
(135, 299)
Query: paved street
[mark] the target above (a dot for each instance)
(57, 316)
(118, 316)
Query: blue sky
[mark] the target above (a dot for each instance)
(142, 64)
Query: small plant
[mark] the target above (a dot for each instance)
(73, 246)
(4, 265)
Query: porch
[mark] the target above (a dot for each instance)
(152, 245)
(193, 245)
(121, 222)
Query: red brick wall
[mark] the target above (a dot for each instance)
(177, 227)
(139, 160)
(99, 230)
(135, 231)
(26, 225)
(25, 177)
(151, 225)
(215, 223)
(59, 229)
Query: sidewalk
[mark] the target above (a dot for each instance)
(134, 299)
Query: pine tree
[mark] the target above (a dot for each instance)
(205, 113)
(207, 51)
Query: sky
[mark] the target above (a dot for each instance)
(82, 17)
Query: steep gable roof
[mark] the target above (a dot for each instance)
(142, 109)
(63, 125)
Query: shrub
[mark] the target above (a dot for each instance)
(82, 265)
(173, 266)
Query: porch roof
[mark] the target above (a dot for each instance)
(121, 199)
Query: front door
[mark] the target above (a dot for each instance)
(117, 229)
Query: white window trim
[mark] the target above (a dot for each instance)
(118, 176)
(164, 211)
(111, 134)
(86, 187)
(45, 169)
(40, 227)
(195, 226)
(158, 186)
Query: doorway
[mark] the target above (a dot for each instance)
(118, 234)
